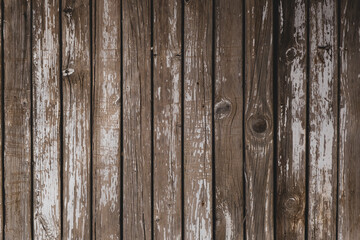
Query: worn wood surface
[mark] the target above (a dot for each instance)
(106, 120)
(322, 120)
(167, 119)
(349, 151)
(137, 119)
(291, 132)
(76, 121)
(259, 125)
(198, 218)
(46, 119)
(153, 119)
(2, 203)
(228, 117)
(17, 89)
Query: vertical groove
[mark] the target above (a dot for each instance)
(3, 116)
(31, 125)
(152, 113)
(338, 113)
(61, 126)
(91, 120)
(121, 126)
(275, 106)
(213, 117)
(307, 144)
(182, 119)
(243, 113)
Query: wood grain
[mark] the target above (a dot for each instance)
(229, 120)
(167, 119)
(349, 151)
(291, 133)
(137, 119)
(2, 203)
(259, 125)
(17, 94)
(106, 125)
(322, 120)
(198, 119)
(46, 119)
(76, 112)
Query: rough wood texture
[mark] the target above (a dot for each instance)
(137, 119)
(2, 204)
(291, 135)
(198, 119)
(46, 119)
(106, 125)
(167, 119)
(259, 119)
(349, 151)
(17, 89)
(228, 120)
(322, 120)
(76, 125)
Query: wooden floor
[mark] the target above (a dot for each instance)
(180, 119)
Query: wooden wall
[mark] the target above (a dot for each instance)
(181, 119)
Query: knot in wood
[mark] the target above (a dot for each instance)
(292, 205)
(222, 109)
(291, 54)
(258, 124)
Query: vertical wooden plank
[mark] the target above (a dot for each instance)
(167, 119)
(229, 119)
(17, 91)
(137, 119)
(76, 112)
(106, 126)
(259, 119)
(322, 120)
(198, 20)
(291, 135)
(46, 119)
(2, 204)
(349, 151)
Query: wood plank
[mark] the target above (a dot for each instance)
(17, 94)
(322, 120)
(46, 119)
(259, 126)
(167, 119)
(2, 204)
(198, 119)
(106, 125)
(229, 120)
(291, 133)
(349, 151)
(76, 112)
(137, 119)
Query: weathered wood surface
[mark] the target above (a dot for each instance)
(17, 95)
(291, 132)
(137, 119)
(259, 125)
(198, 216)
(46, 119)
(76, 82)
(322, 120)
(228, 117)
(153, 119)
(2, 203)
(107, 119)
(167, 82)
(349, 151)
